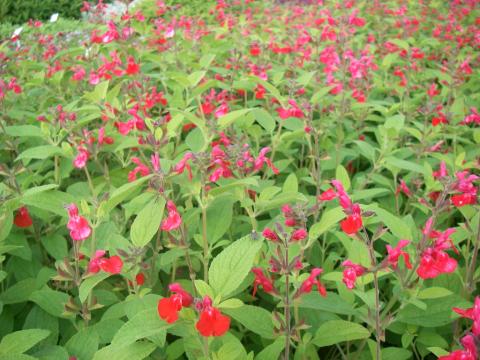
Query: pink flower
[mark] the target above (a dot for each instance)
(343, 197)
(403, 188)
(351, 272)
(432, 90)
(472, 313)
(140, 168)
(470, 351)
(94, 264)
(270, 235)
(79, 73)
(328, 195)
(173, 220)
(183, 164)
(395, 253)
(299, 234)
(434, 263)
(81, 159)
(78, 225)
(262, 159)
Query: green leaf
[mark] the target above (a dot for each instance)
(23, 131)
(40, 152)
(254, 318)
(122, 193)
(437, 312)
(394, 223)
(320, 94)
(273, 350)
(229, 118)
(434, 293)
(19, 342)
(144, 324)
(271, 89)
(147, 222)
(336, 331)
(341, 174)
(99, 93)
(135, 351)
(219, 218)
(290, 184)
(19, 292)
(83, 344)
(394, 353)
(53, 302)
(329, 219)
(404, 165)
(264, 119)
(232, 265)
(89, 283)
(331, 303)
(203, 288)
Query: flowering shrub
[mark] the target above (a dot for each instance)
(261, 180)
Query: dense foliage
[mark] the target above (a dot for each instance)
(18, 12)
(242, 180)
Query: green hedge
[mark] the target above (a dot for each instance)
(19, 11)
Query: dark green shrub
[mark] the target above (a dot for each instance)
(18, 12)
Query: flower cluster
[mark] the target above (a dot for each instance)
(211, 321)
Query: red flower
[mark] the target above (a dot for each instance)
(173, 220)
(111, 265)
(395, 253)
(78, 225)
(94, 264)
(460, 200)
(255, 50)
(22, 218)
(168, 308)
(328, 195)
(140, 279)
(212, 322)
(351, 224)
(351, 272)
(262, 280)
(132, 67)
(312, 280)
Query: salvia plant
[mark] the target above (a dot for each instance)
(242, 179)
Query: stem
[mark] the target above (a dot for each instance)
(205, 348)
(57, 170)
(286, 310)
(471, 269)
(378, 330)
(89, 180)
(205, 243)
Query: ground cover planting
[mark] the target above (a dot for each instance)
(242, 179)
